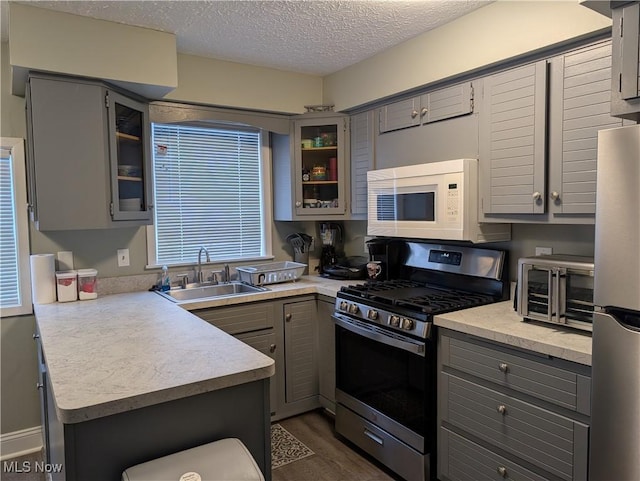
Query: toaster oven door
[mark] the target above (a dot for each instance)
(541, 293)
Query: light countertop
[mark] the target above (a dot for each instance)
(499, 322)
(126, 351)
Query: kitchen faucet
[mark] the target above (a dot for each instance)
(199, 276)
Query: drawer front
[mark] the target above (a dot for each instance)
(406, 462)
(239, 319)
(557, 444)
(549, 383)
(462, 460)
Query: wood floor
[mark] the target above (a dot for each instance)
(334, 458)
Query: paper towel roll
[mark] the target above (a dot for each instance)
(43, 278)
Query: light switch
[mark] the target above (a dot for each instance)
(123, 257)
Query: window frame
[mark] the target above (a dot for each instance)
(267, 201)
(16, 146)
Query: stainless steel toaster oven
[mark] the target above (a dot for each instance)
(557, 289)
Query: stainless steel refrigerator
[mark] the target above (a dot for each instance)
(615, 410)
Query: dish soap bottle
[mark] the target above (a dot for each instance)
(165, 282)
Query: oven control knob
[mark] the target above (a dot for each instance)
(344, 305)
(407, 324)
(372, 314)
(353, 308)
(394, 321)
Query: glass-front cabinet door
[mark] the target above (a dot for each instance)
(129, 137)
(320, 165)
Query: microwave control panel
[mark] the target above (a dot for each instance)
(453, 202)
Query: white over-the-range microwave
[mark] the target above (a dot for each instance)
(437, 200)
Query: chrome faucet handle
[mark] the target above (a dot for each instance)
(213, 278)
(184, 280)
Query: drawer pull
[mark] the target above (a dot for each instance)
(503, 366)
(502, 471)
(287, 317)
(502, 409)
(373, 437)
(272, 348)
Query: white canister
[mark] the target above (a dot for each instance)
(67, 286)
(87, 284)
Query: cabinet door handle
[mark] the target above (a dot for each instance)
(502, 471)
(39, 385)
(287, 317)
(272, 348)
(414, 114)
(36, 336)
(503, 366)
(554, 195)
(502, 409)
(537, 196)
(298, 203)
(423, 112)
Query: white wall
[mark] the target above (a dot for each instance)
(217, 82)
(494, 33)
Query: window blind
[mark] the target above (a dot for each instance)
(208, 192)
(10, 295)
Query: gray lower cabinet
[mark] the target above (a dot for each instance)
(625, 81)
(88, 155)
(507, 413)
(301, 358)
(286, 331)
(327, 353)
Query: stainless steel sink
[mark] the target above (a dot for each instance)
(197, 291)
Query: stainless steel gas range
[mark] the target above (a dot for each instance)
(386, 350)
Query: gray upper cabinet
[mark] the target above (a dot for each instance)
(580, 98)
(513, 140)
(311, 174)
(362, 160)
(430, 107)
(88, 156)
(399, 115)
(447, 103)
(625, 79)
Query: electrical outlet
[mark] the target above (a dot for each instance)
(540, 251)
(123, 257)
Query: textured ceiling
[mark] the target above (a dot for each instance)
(314, 37)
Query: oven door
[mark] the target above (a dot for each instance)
(387, 379)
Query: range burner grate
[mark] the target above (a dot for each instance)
(417, 297)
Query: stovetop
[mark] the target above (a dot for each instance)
(413, 297)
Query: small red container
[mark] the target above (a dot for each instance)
(333, 168)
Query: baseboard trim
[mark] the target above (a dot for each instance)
(19, 443)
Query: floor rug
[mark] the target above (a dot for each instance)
(285, 447)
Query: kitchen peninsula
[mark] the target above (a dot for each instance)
(132, 377)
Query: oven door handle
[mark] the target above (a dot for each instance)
(376, 334)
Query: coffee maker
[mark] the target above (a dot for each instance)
(331, 236)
